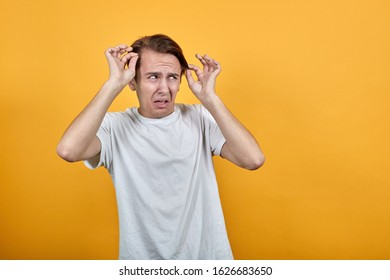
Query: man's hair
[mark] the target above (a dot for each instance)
(162, 44)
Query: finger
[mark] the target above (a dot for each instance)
(121, 53)
(214, 65)
(111, 53)
(204, 62)
(118, 50)
(132, 61)
(190, 79)
(126, 58)
(128, 55)
(122, 47)
(110, 50)
(196, 69)
(210, 62)
(201, 59)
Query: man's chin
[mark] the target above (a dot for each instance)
(162, 113)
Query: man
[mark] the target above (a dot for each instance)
(160, 154)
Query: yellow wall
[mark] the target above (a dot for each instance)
(310, 79)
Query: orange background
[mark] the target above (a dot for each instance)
(310, 79)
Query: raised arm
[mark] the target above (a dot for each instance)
(79, 141)
(241, 147)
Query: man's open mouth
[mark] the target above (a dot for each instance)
(161, 101)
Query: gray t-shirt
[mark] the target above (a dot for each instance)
(166, 189)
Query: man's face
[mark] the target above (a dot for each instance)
(157, 83)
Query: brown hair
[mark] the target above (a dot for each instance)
(162, 44)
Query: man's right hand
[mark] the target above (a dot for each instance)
(121, 61)
(79, 141)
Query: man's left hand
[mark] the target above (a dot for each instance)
(204, 87)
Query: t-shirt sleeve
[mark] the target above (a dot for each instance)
(217, 140)
(105, 155)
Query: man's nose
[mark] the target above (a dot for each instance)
(163, 86)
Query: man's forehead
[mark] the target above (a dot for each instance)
(152, 61)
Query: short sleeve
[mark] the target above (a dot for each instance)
(105, 155)
(217, 140)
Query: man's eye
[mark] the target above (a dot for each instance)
(173, 77)
(153, 77)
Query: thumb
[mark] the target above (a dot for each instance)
(132, 61)
(190, 79)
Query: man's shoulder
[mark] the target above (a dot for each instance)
(120, 114)
(190, 108)
(194, 110)
(119, 118)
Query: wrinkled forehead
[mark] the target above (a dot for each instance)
(151, 61)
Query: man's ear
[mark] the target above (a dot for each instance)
(133, 85)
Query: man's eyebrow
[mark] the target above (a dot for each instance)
(153, 73)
